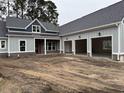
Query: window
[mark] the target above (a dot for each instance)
(36, 28)
(107, 45)
(51, 46)
(2, 44)
(22, 45)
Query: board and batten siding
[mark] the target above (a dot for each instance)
(113, 31)
(14, 44)
(6, 49)
(122, 38)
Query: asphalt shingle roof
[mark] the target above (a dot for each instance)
(110, 14)
(3, 29)
(17, 22)
(22, 23)
(50, 26)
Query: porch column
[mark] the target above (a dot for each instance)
(60, 46)
(63, 47)
(45, 46)
(8, 47)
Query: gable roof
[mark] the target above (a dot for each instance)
(33, 22)
(3, 29)
(108, 15)
(12, 22)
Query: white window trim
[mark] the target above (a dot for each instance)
(38, 22)
(36, 28)
(0, 44)
(51, 47)
(25, 45)
(107, 41)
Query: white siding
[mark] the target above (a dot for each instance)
(122, 39)
(14, 44)
(113, 31)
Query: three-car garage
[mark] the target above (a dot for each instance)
(100, 46)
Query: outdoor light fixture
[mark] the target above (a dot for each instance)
(79, 36)
(66, 38)
(99, 34)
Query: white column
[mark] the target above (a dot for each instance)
(73, 46)
(8, 47)
(34, 46)
(90, 43)
(119, 31)
(60, 46)
(63, 46)
(45, 46)
(89, 47)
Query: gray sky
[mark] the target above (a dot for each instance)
(72, 9)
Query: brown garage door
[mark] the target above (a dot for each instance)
(81, 46)
(102, 46)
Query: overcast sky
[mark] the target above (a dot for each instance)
(72, 9)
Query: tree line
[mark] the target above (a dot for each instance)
(30, 9)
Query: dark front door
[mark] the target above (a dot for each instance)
(39, 46)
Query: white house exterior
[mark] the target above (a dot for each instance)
(20, 37)
(98, 34)
(102, 33)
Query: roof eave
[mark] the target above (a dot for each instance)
(15, 27)
(93, 28)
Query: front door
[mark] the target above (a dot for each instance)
(39, 46)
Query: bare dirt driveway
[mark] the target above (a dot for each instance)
(61, 74)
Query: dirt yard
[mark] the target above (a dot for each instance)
(61, 74)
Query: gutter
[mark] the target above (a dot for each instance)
(32, 33)
(93, 28)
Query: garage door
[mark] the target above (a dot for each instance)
(68, 46)
(102, 46)
(81, 46)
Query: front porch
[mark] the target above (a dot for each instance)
(47, 46)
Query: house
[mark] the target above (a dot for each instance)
(100, 33)
(21, 37)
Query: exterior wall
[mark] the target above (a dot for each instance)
(14, 44)
(121, 38)
(4, 51)
(121, 41)
(111, 31)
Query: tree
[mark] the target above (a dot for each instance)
(22, 7)
(43, 10)
(19, 8)
(16, 8)
(51, 12)
(31, 9)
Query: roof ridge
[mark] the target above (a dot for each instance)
(92, 13)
